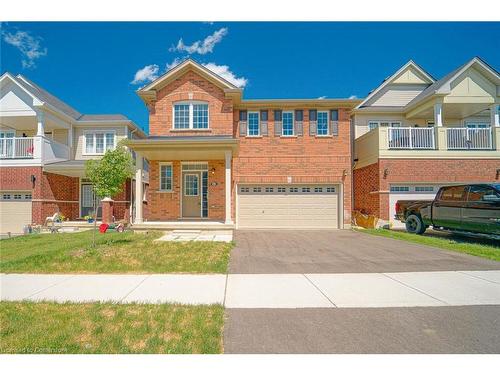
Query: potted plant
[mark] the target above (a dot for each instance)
(60, 218)
(89, 218)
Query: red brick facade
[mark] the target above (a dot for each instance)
(53, 193)
(371, 184)
(268, 159)
(191, 86)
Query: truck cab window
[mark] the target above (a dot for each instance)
(482, 193)
(453, 194)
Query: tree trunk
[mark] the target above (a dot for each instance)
(95, 219)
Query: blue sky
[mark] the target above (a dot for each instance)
(91, 66)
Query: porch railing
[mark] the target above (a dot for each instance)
(411, 138)
(17, 148)
(468, 138)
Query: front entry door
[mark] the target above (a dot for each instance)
(87, 201)
(191, 197)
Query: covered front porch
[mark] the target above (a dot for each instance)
(190, 182)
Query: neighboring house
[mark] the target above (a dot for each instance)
(277, 163)
(414, 134)
(43, 146)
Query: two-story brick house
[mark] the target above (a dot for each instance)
(43, 146)
(414, 134)
(250, 163)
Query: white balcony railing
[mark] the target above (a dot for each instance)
(38, 148)
(411, 138)
(468, 138)
(17, 148)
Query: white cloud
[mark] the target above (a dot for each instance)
(228, 75)
(322, 97)
(175, 62)
(353, 97)
(147, 74)
(29, 46)
(201, 47)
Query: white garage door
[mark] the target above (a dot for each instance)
(15, 211)
(289, 206)
(408, 192)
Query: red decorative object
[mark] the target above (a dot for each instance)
(103, 228)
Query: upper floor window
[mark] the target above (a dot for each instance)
(477, 125)
(322, 123)
(190, 115)
(253, 123)
(375, 124)
(99, 142)
(287, 120)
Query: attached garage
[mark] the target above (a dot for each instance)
(15, 211)
(288, 206)
(409, 192)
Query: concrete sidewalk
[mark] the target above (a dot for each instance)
(354, 290)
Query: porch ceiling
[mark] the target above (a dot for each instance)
(185, 148)
(450, 110)
(70, 168)
(27, 123)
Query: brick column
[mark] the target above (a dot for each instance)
(107, 210)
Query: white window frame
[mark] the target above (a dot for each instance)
(282, 124)
(379, 122)
(258, 124)
(159, 177)
(93, 133)
(191, 115)
(327, 124)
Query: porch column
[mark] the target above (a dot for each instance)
(40, 117)
(138, 188)
(228, 157)
(438, 114)
(495, 120)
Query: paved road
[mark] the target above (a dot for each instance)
(465, 329)
(341, 251)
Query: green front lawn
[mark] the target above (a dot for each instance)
(115, 253)
(32, 328)
(484, 249)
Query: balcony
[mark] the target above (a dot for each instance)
(22, 150)
(411, 138)
(432, 142)
(469, 138)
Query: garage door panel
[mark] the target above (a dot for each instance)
(261, 209)
(15, 211)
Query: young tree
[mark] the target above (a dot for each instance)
(108, 175)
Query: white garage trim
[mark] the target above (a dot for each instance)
(293, 198)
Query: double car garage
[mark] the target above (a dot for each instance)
(289, 206)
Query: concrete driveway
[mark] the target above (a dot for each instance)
(341, 251)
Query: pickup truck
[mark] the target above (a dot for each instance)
(468, 209)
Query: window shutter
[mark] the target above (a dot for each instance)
(243, 115)
(298, 124)
(277, 115)
(263, 128)
(299, 128)
(263, 115)
(277, 122)
(313, 116)
(243, 128)
(334, 122)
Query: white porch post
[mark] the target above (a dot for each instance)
(495, 117)
(228, 157)
(40, 117)
(438, 114)
(138, 188)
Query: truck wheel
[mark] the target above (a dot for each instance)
(414, 224)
